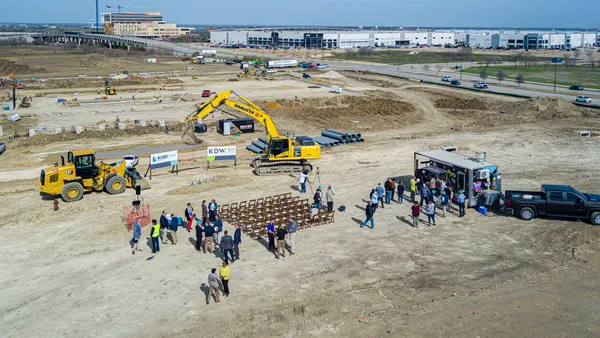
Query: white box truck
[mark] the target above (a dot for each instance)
(282, 63)
(336, 89)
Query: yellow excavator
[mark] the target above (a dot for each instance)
(109, 89)
(283, 154)
(82, 174)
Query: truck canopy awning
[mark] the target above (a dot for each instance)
(434, 170)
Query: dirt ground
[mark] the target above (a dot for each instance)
(71, 272)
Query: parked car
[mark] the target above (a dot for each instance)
(583, 99)
(271, 71)
(131, 161)
(228, 62)
(185, 59)
(481, 85)
(206, 93)
(2, 147)
(554, 201)
(447, 79)
(576, 87)
(455, 83)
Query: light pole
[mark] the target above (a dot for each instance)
(461, 66)
(555, 61)
(398, 61)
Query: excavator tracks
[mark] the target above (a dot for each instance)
(264, 167)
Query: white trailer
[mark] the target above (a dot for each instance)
(282, 63)
(209, 51)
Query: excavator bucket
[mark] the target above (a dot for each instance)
(189, 137)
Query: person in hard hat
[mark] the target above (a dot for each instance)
(154, 235)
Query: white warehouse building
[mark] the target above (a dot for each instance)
(356, 39)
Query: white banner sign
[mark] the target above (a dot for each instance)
(220, 153)
(166, 158)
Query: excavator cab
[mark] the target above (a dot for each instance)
(278, 147)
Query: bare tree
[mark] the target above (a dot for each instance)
(501, 75)
(483, 74)
(446, 57)
(591, 55)
(576, 54)
(486, 60)
(569, 61)
(520, 79)
(439, 68)
(465, 54)
(426, 68)
(516, 58)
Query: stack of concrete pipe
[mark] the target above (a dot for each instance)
(328, 138)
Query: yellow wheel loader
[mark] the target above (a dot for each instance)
(83, 174)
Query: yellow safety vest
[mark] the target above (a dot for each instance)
(156, 230)
(412, 185)
(224, 272)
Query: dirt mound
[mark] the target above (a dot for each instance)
(545, 108)
(43, 139)
(460, 103)
(8, 67)
(349, 112)
(331, 75)
(93, 83)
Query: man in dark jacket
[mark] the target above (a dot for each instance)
(204, 212)
(369, 212)
(164, 227)
(227, 246)
(400, 192)
(199, 231)
(388, 190)
(173, 228)
(237, 239)
(218, 223)
(209, 233)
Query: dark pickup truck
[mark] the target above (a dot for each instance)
(554, 201)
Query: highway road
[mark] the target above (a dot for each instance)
(467, 81)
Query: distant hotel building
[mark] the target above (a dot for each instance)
(148, 25)
(355, 39)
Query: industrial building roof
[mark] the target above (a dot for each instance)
(455, 159)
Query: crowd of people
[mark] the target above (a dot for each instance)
(433, 195)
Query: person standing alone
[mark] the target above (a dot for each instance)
(369, 211)
(224, 274)
(154, 235)
(237, 239)
(416, 212)
(189, 216)
(329, 196)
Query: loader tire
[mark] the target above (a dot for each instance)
(115, 185)
(72, 192)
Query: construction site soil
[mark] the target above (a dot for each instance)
(71, 273)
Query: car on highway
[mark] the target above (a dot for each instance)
(206, 93)
(482, 85)
(576, 87)
(455, 83)
(131, 161)
(447, 79)
(583, 99)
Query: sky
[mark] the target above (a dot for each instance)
(401, 13)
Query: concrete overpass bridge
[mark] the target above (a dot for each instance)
(111, 41)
